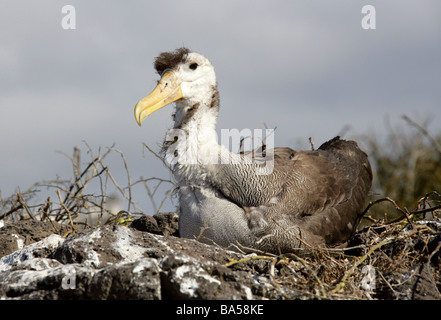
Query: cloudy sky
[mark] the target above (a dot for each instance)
(305, 67)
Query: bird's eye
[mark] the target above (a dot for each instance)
(193, 66)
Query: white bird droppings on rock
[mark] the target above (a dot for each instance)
(126, 247)
(31, 251)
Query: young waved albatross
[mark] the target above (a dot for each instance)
(309, 198)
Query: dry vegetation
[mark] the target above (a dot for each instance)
(407, 165)
(395, 260)
(71, 202)
(400, 236)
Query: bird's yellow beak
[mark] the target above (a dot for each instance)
(167, 91)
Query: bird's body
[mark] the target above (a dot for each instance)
(306, 198)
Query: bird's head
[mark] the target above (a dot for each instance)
(185, 75)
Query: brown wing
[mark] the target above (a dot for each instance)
(322, 191)
(326, 189)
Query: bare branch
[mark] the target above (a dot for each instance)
(434, 143)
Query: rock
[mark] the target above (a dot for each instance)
(168, 223)
(425, 284)
(147, 224)
(15, 236)
(118, 262)
(42, 248)
(417, 284)
(131, 280)
(47, 283)
(165, 223)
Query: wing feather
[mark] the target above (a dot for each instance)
(322, 191)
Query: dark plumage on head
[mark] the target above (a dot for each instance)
(169, 60)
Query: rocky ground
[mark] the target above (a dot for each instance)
(48, 260)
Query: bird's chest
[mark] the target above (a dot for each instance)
(207, 216)
(192, 174)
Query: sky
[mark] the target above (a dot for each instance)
(308, 68)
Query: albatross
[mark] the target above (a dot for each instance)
(305, 199)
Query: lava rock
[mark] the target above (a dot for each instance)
(14, 236)
(119, 262)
